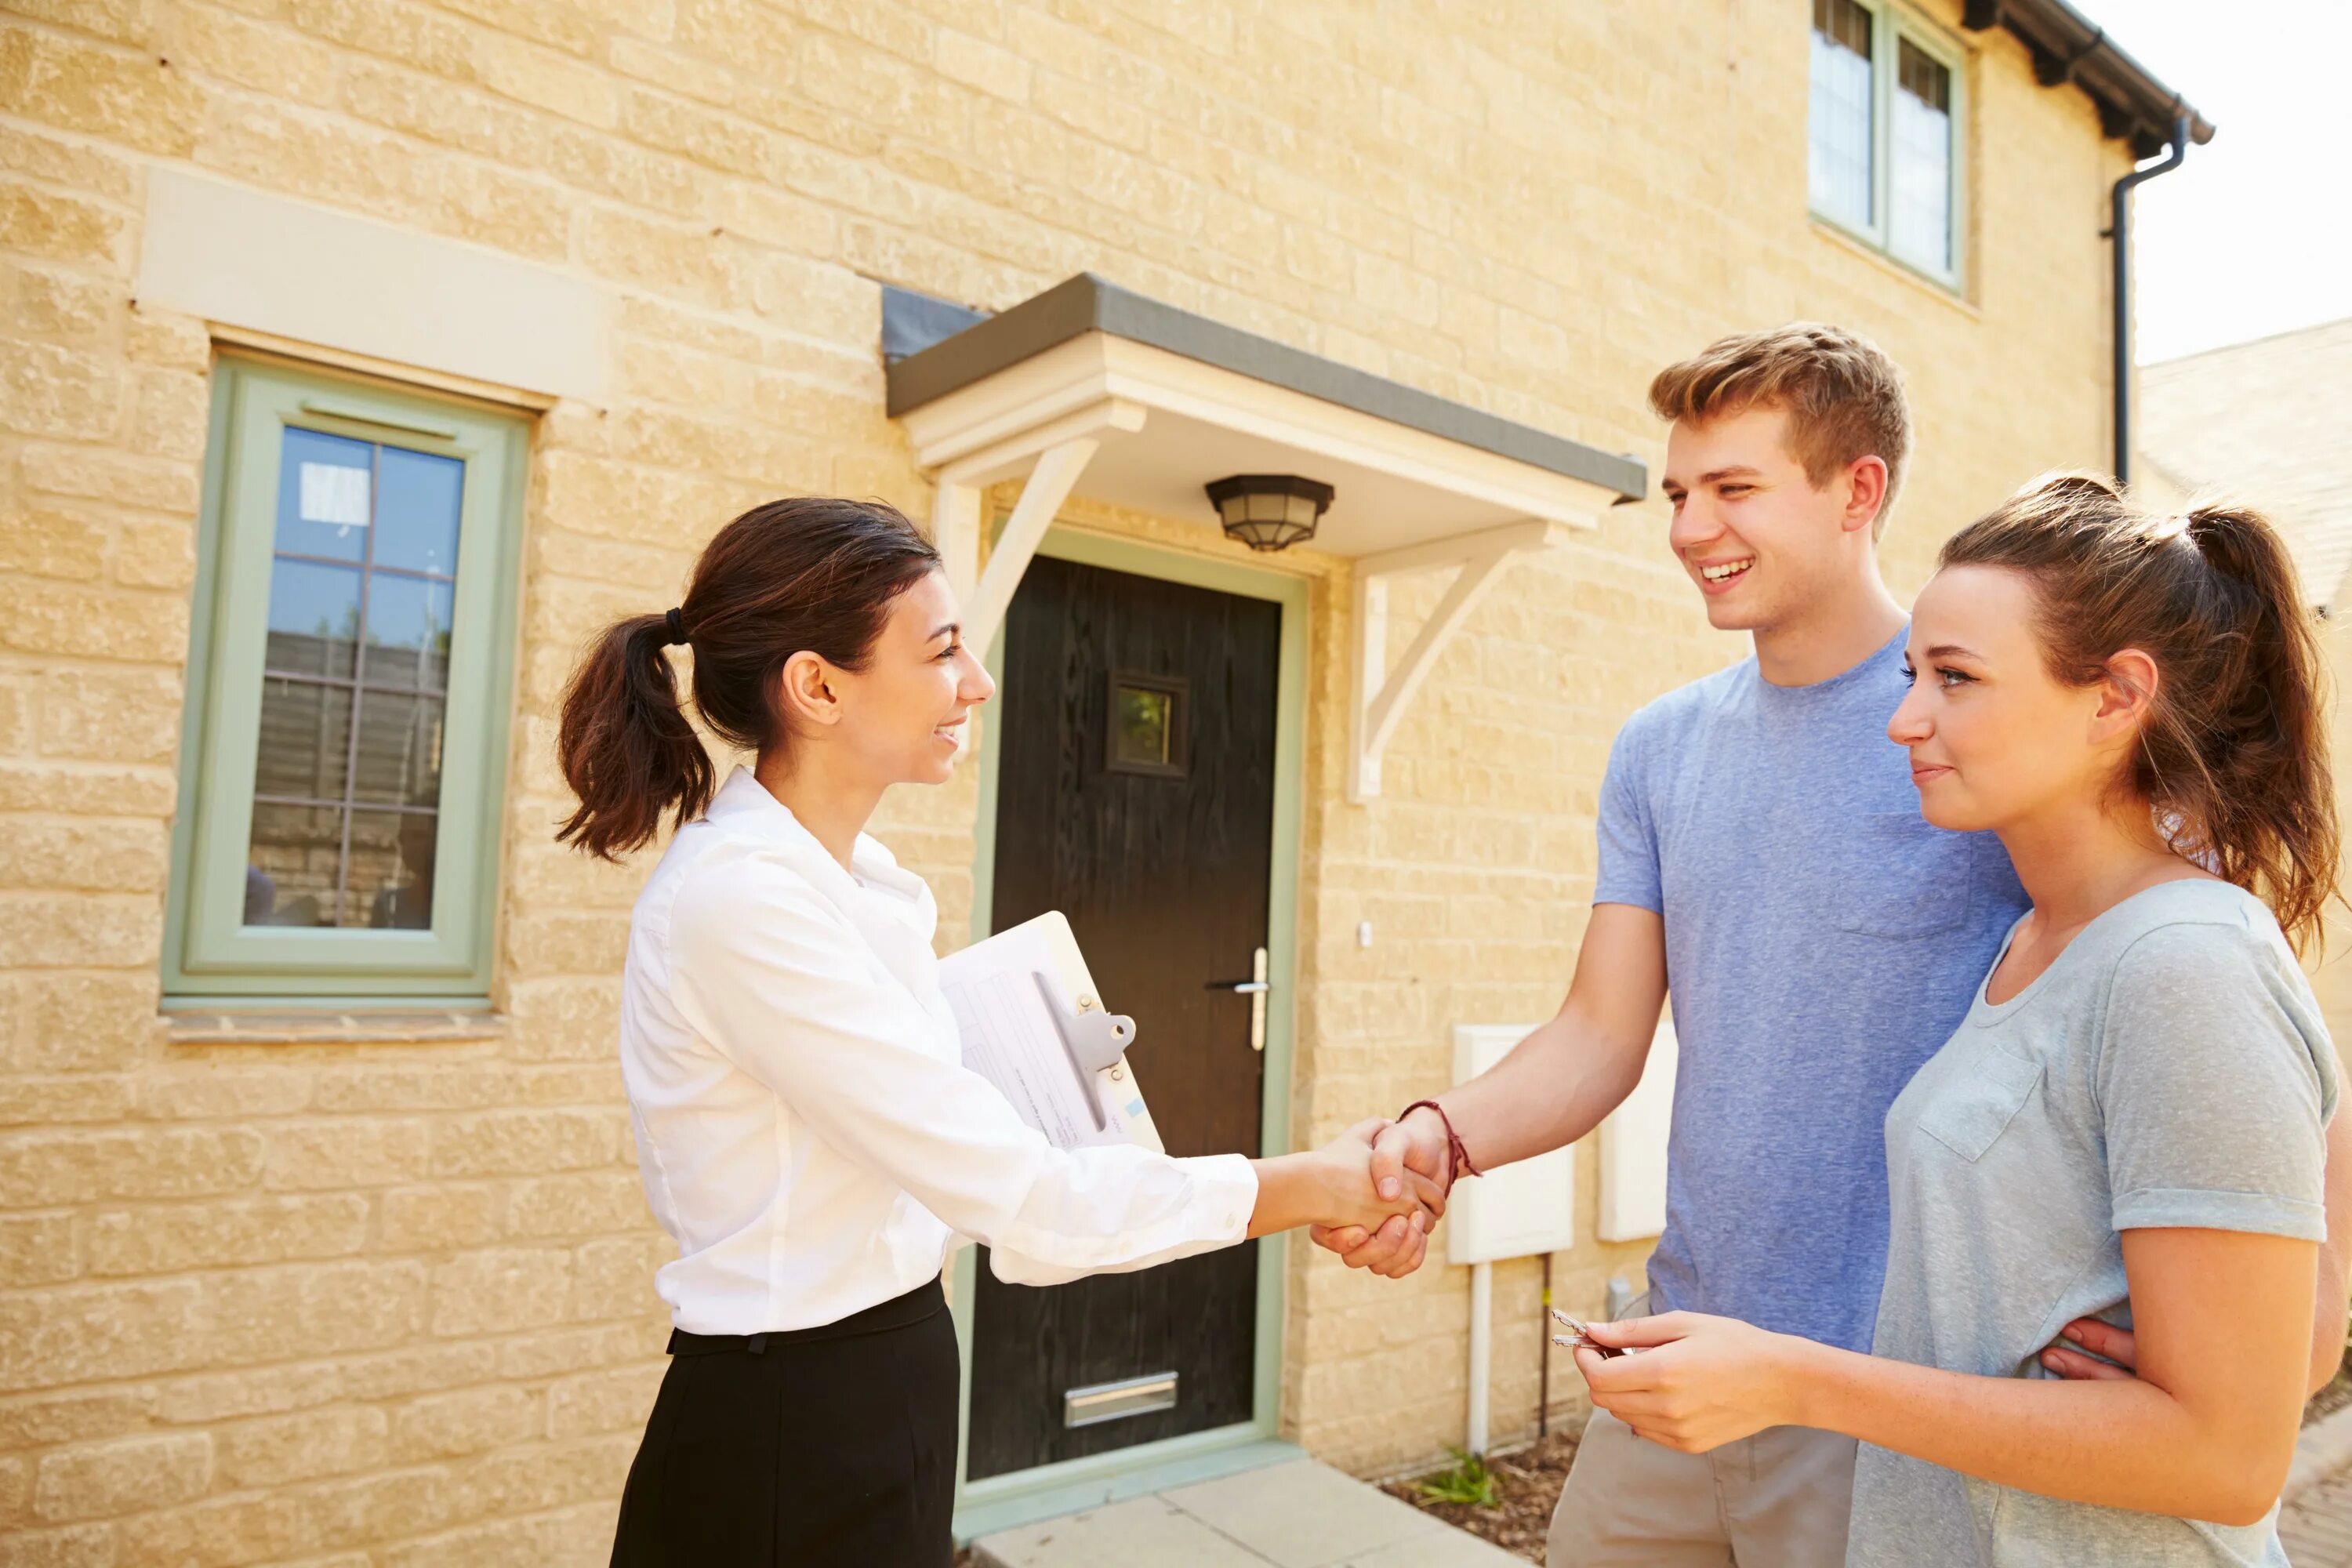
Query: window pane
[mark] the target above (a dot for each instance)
(400, 749)
(314, 618)
(306, 734)
(416, 512)
(391, 886)
(323, 501)
(1839, 167)
(1145, 721)
(291, 871)
(408, 632)
(1920, 223)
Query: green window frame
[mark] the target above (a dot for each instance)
(396, 468)
(1908, 65)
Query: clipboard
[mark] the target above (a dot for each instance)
(1031, 1022)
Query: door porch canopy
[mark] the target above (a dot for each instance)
(1090, 388)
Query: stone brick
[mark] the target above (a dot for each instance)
(447, 1086)
(221, 1532)
(579, 1534)
(41, 1168)
(615, 1401)
(98, 474)
(104, 857)
(440, 1219)
(264, 1230)
(269, 59)
(74, 1546)
(615, 1276)
(44, 541)
(116, 1477)
(71, 163)
(500, 1290)
(76, 86)
(79, 1417)
(425, 1369)
(545, 79)
(212, 1090)
(394, 1505)
(78, 1022)
(536, 1477)
(251, 1391)
(414, 37)
(44, 222)
(547, 1355)
(352, 1153)
(499, 1143)
(590, 1205)
(298, 1447)
(108, 716)
(37, 1250)
(70, 618)
(444, 1426)
(170, 412)
(111, 790)
(33, 1101)
(46, 390)
(60, 931)
(312, 1309)
(153, 555)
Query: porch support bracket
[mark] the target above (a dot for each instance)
(1377, 701)
(1057, 452)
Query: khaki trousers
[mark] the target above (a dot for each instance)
(1779, 1499)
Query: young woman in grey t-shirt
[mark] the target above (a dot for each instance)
(2130, 1123)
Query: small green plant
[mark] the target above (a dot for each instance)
(1469, 1481)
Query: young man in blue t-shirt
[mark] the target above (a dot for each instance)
(1763, 860)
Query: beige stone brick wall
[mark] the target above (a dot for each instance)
(357, 1298)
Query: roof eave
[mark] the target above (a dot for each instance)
(2134, 105)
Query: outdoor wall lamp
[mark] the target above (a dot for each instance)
(1269, 512)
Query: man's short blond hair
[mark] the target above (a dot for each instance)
(1842, 397)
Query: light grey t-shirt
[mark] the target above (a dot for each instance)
(2169, 1068)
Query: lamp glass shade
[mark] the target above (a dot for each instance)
(1269, 512)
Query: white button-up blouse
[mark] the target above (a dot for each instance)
(805, 1125)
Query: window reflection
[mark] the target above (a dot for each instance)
(346, 775)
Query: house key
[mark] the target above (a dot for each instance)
(1579, 1337)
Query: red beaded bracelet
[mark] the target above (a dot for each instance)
(1460, 1156)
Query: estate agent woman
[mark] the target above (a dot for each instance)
(804, 1125)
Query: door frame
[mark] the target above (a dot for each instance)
(1000, 1502)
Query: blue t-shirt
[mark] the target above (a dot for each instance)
(1823, 941)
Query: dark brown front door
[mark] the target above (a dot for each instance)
(1135, 793)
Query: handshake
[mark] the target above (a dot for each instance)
(1372, 1195)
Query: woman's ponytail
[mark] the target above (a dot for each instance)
(2233, 755)
(811, 574)
(627, 747)
(2263, 736)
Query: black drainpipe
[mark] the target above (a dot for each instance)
(2119, 232)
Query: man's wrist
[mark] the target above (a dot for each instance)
(1428, 1127)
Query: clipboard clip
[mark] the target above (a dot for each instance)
(1092, 1038)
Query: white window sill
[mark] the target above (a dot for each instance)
(325, 1025)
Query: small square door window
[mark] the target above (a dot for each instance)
(1149, 715)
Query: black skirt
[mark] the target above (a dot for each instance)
(803, 1450)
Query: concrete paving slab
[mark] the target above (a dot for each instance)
(1297, 1514)
(1142, 1532)
(1447, 1548)
(1303, 1515)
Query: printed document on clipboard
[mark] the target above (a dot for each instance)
(1034, 1026)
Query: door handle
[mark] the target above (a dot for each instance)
(1255, 988)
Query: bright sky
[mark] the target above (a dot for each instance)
(2254, 234)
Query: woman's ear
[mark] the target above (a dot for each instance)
(808, 691)
(2126, 692)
